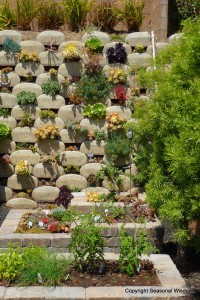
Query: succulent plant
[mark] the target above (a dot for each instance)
(64, 197)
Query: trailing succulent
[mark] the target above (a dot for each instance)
(64, 197)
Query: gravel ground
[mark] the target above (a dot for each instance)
(190, 272)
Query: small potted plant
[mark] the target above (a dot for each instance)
(116, 54)
(72, 60)
(71, 53)
(22, 168)
(30, 57)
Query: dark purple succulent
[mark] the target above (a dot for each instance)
(64, 197)
(117, 54)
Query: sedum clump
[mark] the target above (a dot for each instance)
(47, 132)
(71, 52)
(22, 168)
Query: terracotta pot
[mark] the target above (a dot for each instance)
(194, 227)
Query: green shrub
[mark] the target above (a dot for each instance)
(26, 120)
(96, 111)
(4, 131)
(26, 98)
(167, 133)
(47, 114)
(94, 45)
(51, 88)
(5, 112)
(117, 144)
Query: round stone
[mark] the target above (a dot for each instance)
(55, 122)
(32, 46)
(50, 36)
(73, 158)
(18, 111)
(7, 100)
(24, 134)
(32, 157)
(6, 170)
(174, 37)
(90, 169)
(47, 146)
(47, 170)
(71, 69)
(159, 47)
(91, 124)
(93, 147)
(14, 79)
(51, 59)
(71, 113)
(47, 102)
(7, 146)
(71, 137)
(22, 182)
(102, 36)
(45, 77)
(23, 68)
(45, 194)
(27, 86)
(7, 60)
(72, 181)
(126, 183)
(138, 38)
(133, 170)
(121, 110)
(21, 203)
(5, 194)
(12, 34)
(10, 121)
(139, 59)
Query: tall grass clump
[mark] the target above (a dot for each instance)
(7, 16)
(76, 12)
(26, 12)
(50, 15)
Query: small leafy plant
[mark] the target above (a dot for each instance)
(26, 120)
(117, 75)
(94, 45)
(120, 92)
(115, 121)
(22, 168)
(26, 98)
(112, 174)
(92, 68)
(5, 112)
(71, 52)
(4, 131)
(47, 114)
(47, 132)
(51, 88)
(96, 111)
(25, 56)
(64, 197)
(92, 197)
(72, 169)
(10, 46)
(117, 54)
(139, 48)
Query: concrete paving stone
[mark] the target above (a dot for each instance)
(7, 100)
(5, 194)
(138, 38)
(102, 36)
(77, 43)
(93, 147)
(10, 222)
(51, 59)
(13, 238)
(60, 240)
(15, 213)
(21, 182)
(39, 240)
(7, 229)
(48, 102)
(112, 241)
(13, 34)
(98, 189)
(25, 293)
(7, 59)
(72, 181)
(48, 145)
(10, 121)
(21, 203)
(159, 47)
(73, 158)
(2, 292)
(112, 44)
(90, 169)
(71, 137)
(25, 67)
(42, 122)
(32, 46)
(71, 113)
(139, 59)
(73, 69)
(45, 194)
(170, 277)
(18, 111)
(65, 293)
(51, 36)
(24, 134)
(91, 124)
(6, 170)
(45, 77)
(109, 231)
(106, 293)
(32, 157)
(7, 146)
(27, 86)
(47, 170)
(122, 111)
(14, 79)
